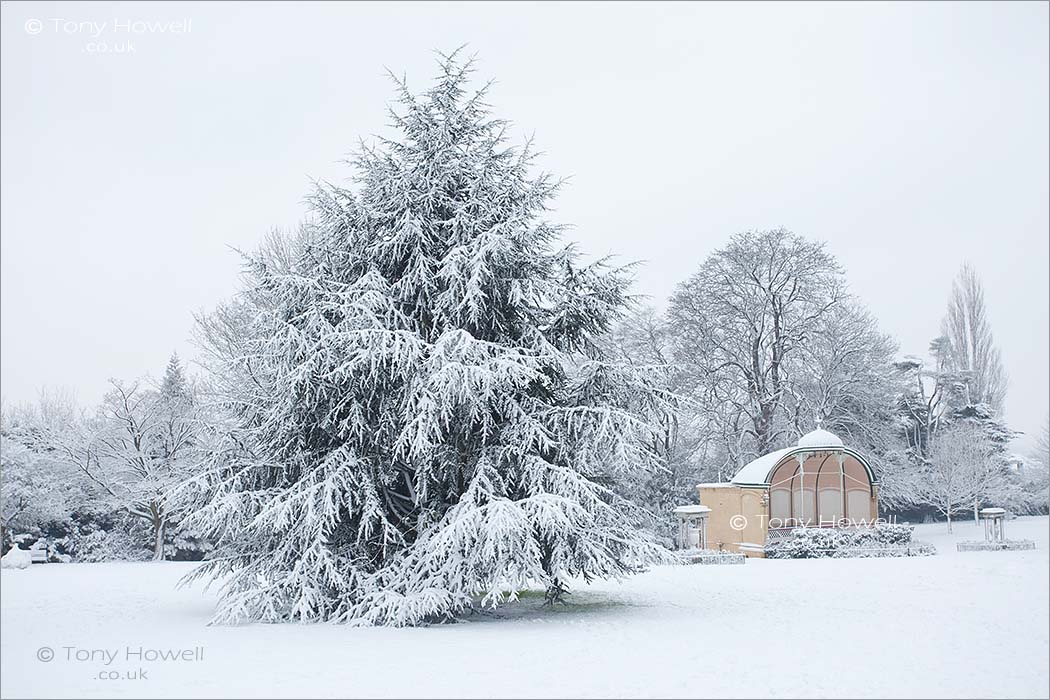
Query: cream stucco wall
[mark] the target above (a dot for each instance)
(738, 516)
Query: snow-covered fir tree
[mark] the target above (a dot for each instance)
(421, 421)
(174, 387)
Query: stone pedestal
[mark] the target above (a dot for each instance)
(994, 520)
(692, 527)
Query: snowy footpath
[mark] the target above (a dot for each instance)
(953, 625)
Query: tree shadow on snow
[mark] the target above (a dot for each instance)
(531, 606)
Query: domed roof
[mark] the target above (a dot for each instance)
(820, 438)
(759, 471)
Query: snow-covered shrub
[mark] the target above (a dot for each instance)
(805, 543)
(875, 541)
(16, 558)
(185, 545)
(882, 533)
(112, 545)
(893, 533)
(122, 542)
(420, 418)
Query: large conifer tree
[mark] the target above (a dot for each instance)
(420, 418)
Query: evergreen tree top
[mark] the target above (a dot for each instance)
(449, 217)
(174, 386)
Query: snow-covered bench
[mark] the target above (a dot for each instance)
(38, 556)
(751, 548)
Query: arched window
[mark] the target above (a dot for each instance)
(830, 503)
(858, 505)
(779, 507)
(804, 505)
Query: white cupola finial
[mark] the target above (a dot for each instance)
(820, 438)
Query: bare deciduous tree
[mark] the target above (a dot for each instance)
(642, 338)
(969, 337)
(740, 320)
(961, 469)
(1041, 453)
(132, 450)
(142, 445)
(845, 373)
(845, 376)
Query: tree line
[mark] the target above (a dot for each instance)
(95, 485)
(766, 342)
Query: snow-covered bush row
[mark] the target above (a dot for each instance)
(912, 549)
(889, 540)
(884, 533)
(116, 544)
(97, 538)
(709, 556)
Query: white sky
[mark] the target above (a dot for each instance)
(910, 137)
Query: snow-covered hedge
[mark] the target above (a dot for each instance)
(709, 556)
(107, 537)
(888, 540)
(108, 545)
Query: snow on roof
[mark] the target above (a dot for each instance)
(691, 510)
(715, 485)
(757, 471)
(820, 438)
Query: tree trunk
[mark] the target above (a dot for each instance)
(555, 593)
(949, 521)
(158, 540)
(976, 520)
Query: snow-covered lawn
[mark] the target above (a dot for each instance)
(956, 625)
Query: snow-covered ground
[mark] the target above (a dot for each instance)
(956, 625)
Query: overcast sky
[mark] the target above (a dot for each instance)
(909, 137)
